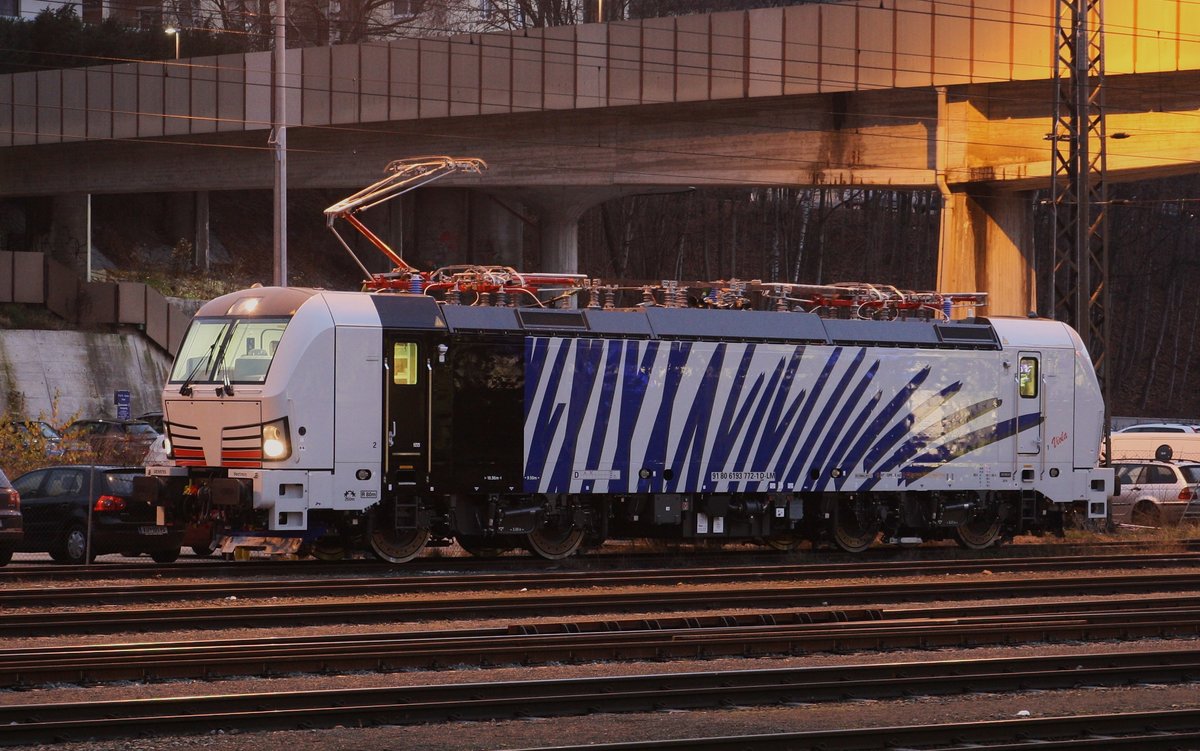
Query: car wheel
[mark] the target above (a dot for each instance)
(165, 556)
(203, 551)
(73, 546)
(1146, 514)
(6, 555)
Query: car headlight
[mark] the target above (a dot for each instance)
(275, 443)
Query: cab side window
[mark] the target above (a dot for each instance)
(404, 363)
(1027, 377)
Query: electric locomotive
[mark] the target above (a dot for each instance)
(398, 419)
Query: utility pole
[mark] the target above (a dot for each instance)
(1078, 182)
(279, 139)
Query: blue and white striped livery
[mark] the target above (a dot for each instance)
(396, 420)
(652, 416)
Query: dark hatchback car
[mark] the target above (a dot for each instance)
(113, 441)
(55, 505)
(10, 519)
(154, 419)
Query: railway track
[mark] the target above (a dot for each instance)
(59, 722)
(23, 597)
(1143, 731)
(19, 571)
(701, 637)
(360, 610)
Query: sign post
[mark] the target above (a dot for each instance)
(121, 399)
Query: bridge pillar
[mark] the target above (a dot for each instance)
(986, 245)
(559, 210)
(69, 230)
(189, 217)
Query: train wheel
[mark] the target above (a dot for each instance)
(398, 545)
(329, 548)
(553, 543)
(854, 524)
(391, 544)
(783, 543)
(981, 531)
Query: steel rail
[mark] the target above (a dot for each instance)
(1169, 730)
(360, 586)
(650, 599)
(704, 637)
(58, 722)
(19, 571)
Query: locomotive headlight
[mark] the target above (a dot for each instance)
(275, 444)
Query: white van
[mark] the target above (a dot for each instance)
(1161, 446)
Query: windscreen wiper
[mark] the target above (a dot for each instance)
(186, 388)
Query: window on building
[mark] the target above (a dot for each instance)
(93, 11)
(10, 8)
(402, 8)
(149, 17)
(185, 12)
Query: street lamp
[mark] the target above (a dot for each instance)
(175, 33)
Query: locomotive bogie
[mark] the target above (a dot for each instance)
(397, 422)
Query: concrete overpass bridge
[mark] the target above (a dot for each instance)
(947, 94)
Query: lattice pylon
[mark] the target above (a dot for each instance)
(1078, 185)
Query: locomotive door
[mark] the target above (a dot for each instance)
(406, 413)
(1029, 403)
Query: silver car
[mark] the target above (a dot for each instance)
(1159, 427)
(1155, 493)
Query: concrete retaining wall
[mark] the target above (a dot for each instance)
(61, 375)
(67, 374)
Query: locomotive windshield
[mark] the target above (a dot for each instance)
(237, 350)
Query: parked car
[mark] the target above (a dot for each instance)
(154, 418)
(1159, 427)
(1155, 493)
(36, 434)
(11, 524)
(55, 506)
(113, 441)
(157, 454)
